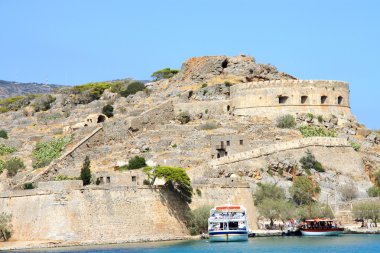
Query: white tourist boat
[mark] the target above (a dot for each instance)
(318, 227)
(228, 223)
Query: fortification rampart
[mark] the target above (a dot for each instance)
(278, 147)
(273, 98)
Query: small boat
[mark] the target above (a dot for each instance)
(318, 227)
(228, 223)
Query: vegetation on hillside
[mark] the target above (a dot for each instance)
(374, 191)
(309, 162)
(5, 149)
(136, 162)
(164, 74)
(13, 166)
(303, 190)
(311, 131)
(3, 134)
(176, 180)
(108, 110)
(197, 220)
(286, 121)
(45, 152)
(5, 226)
(85, 172)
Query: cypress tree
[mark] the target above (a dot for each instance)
(85, 173)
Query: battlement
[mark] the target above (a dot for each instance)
(276, 97)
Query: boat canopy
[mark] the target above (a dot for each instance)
(229, 208)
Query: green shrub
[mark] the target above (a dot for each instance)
(132, 88)
(184, 117)
(13, 166)
(65, 177)
(136, 162)
(374, 191)
(356, 146)
(310, 115)
(309, 162)
(268, 191)
(1, 166)
(28, 186)
(4, 149)
(5, 226)
(43, 102)
(108, 111)
(164, 74)
(227, 83)
(3, 134)
(199, 192)
(286, 121)
(204, 85)
(320, 118)
(311, 131)
(85, 172)
(45, 152)
(197, 220)
(377, 177)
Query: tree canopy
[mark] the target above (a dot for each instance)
(367, 210)
(268, 191)
(197, 220)
(176, 179)
(303, 190)
(164, 74)
(85, 173)
(5, 226)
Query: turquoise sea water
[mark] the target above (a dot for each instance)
(337, 244)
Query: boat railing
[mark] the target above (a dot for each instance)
(228, 217)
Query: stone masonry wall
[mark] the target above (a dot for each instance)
(273, 98)
(95, 215)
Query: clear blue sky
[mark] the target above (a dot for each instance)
(77, 41)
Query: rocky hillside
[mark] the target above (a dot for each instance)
(12, 89)
(181, 121)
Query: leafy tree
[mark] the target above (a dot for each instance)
(85, 172)
(286, 121)
(274, 209)
(3, 134)
(5, 226)
(309, 162)
(367, 210)
(268, 191)
(303, 190)
(164, 74)
(136, 162)
(13, 165)
(132, 88)
(176, 179)
(315, 210)
(108, 111)
(197, 220)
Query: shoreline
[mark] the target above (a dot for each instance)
(15, 246)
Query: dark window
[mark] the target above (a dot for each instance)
(108, 180)
(228, 143)
(228, 108)
(218, 156)
(282, 99)
(226, 153)
(241, 142)
(303, 99)
(340, 100)
(323, 99)
(133, 178)
(101, 180)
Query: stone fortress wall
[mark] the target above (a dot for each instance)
(277, 97)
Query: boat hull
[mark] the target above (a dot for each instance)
(310, 232)
(228, 236)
